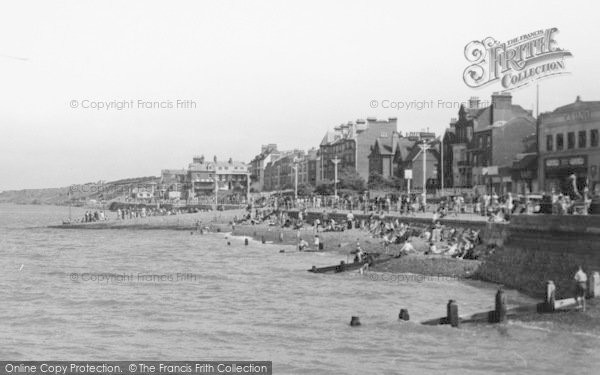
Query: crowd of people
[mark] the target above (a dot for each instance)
(142, 212)
(434, 239)
(90, 217)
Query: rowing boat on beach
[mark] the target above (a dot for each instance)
(343, 266)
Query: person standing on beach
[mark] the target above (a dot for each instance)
(580, 287)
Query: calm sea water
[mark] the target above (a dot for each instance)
(172, 295)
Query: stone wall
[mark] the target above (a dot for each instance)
(538, 248)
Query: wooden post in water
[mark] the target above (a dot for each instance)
(550, 296)
(452, 314)
(403, 315)
(500, 312)
(594, 285)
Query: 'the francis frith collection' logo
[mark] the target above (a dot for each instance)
(515, 63)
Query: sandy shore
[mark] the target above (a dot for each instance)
(340, 242)
(179, 222)
(345, 242)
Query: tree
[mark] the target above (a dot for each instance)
(351, 180)
(377, 181)
(305, 190)
(324, 188)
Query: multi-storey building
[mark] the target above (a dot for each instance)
(279, 172)
(172, 183)
(203, 178)
(480, 146)
(569, 144)
(257, 166)
(307, 171)
(313, 166)
(525, 168)
(351, 144)
(414, 162)
(392, 156)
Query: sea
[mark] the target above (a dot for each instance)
(177, 295)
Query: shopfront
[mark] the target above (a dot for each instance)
(569, 144)
(557, 172)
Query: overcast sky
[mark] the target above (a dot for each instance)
(259, 72)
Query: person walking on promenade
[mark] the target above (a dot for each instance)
(580, 287)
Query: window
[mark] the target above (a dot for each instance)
(594, 138)
(488, 141)
(582, 139)
(549, 142)
(570, 140)
(560, 142)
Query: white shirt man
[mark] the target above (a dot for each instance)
(407, 248)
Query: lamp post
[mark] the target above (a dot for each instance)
(424, 147)
(248, 187)
(442, 157)
(279, 178)
(216, 191)
(295, 166)
(335, 162)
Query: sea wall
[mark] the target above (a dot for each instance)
(538, 248)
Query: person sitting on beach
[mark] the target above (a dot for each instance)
(433, 249)
(387, 241)
(452, 249)
(302, 245)
(407, 248)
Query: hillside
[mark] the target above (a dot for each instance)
(77, 194)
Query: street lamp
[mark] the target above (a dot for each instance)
(216, 191)
(295, 166)
(335, 162)
(424, 147)
(248, 187)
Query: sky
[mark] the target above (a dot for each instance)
(250, 72)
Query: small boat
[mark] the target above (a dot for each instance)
(343, 266)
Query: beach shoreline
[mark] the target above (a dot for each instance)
(342, 243)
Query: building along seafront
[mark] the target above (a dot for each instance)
(480, 146)
(351, 144)
(203, 178)
(569, 144)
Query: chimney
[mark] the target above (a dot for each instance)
(474, 102)
(215, 158)
(501, 100)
